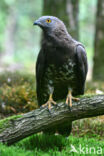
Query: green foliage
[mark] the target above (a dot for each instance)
(17, 93)
(92, 87)
(13, 151)
(27, 38)
(87, 21)
(45, 145)
(87, 15)
(19, 89)
(92, 127)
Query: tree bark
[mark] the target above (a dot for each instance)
(98, 70)
(67, 11)
(17, 128)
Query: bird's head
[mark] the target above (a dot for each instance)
(49, 24)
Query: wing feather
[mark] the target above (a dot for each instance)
(40, 69)
(82, 67)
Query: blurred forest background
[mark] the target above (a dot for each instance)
(20, 44)
(19, 47)
(20, 41)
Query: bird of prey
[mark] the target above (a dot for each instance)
(61, 66)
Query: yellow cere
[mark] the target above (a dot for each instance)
(48, 20)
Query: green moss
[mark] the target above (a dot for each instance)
(51, 145)
(5, 123)
(18, 88)
(86, 95)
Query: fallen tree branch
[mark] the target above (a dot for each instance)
(16, 128)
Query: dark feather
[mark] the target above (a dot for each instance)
(61, 64)
(40, 67)
(82, 68)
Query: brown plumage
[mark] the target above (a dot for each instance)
(61, 66)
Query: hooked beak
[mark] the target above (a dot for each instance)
(37, 22)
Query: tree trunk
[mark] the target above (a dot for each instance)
(67, 11)
(10, 32)
(16, 128)
(98, 71)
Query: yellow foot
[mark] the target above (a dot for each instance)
(70, 98)
(49, 102)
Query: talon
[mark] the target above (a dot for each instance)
(67, 100)
(49, 106)
(70, 98)
(75, 99)
(49, 102)
(44, 105)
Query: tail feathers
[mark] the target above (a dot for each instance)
(64, 130)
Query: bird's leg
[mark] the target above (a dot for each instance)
(49, 102)
(70, 98)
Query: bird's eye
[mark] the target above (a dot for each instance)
(48, 20)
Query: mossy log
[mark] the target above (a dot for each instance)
(16, 128)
